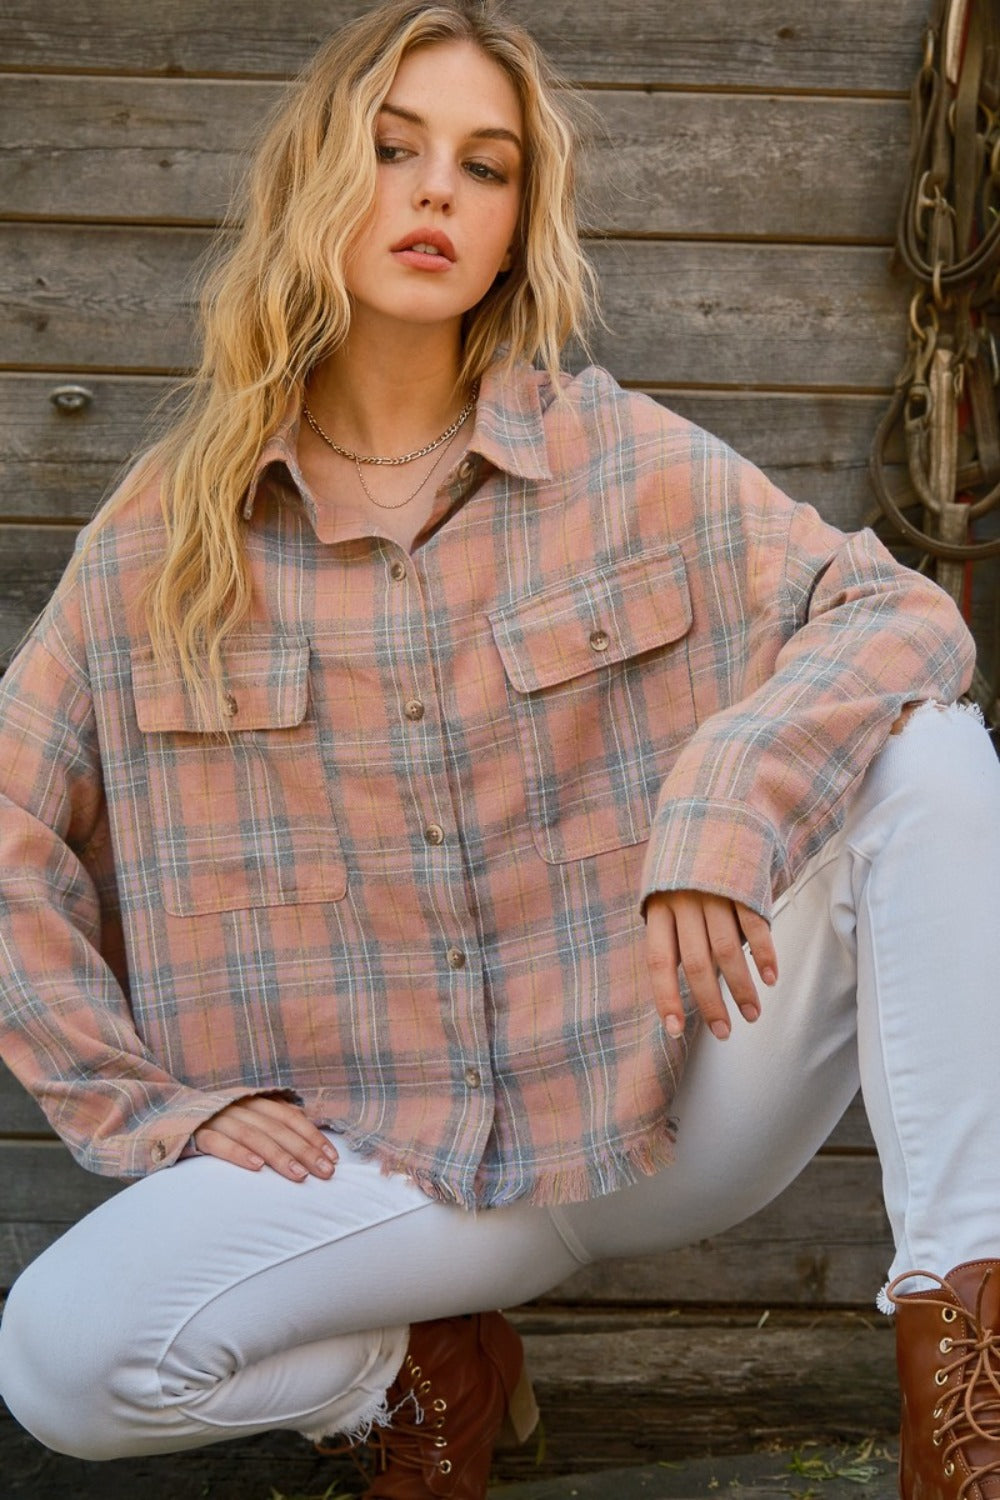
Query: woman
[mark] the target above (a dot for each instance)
(420, 747)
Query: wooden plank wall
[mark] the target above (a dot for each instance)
(741, 197)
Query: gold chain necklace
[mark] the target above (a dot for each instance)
(398, 504)
(405, 458)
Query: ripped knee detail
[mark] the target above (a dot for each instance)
(910, 709)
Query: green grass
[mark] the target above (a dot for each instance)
(857, 1468)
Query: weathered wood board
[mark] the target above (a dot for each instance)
(21, 1116)
(638, 1389)
(822, 1242)
(42, 1185)
(125, 149)
(851, 45)
(98, 298)
(654, 1388)
(58, 466)
(815, 1246)
(32, 560)
(745, 171)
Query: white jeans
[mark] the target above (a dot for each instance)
(205, 1302)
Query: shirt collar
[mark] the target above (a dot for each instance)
(509, 431)
(509, 428)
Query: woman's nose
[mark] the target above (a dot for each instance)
(435, 187)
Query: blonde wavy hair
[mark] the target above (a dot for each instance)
(276, 301)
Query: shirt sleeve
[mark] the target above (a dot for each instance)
(66, 1029)
(836, 637)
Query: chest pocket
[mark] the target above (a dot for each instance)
(241, 815)
(600, 689)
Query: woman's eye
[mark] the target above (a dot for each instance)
(385, 152)
(485, 172)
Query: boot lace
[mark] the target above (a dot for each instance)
(404, 1440)
(970, 1408)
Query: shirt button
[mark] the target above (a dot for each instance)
(159, 1151)
(473, 1078)
(398, 571)
(434, 833)
(456, 958)
(599, 640)
(232, 707)
(414, 709)
(466, 468)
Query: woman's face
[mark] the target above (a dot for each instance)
(449, 140)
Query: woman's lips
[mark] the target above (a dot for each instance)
(425, 250)
(421, 261)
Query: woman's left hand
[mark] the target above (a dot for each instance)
(704, 935)
(260, 1130)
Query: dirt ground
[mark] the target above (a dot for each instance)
(278, 1466)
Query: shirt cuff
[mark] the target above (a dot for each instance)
(724, 848)
(167, 1136)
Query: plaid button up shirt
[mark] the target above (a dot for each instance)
(405, 885)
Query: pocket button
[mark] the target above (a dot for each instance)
(599, 640)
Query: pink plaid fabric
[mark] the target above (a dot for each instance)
(406, 886)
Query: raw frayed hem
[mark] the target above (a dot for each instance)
(606, 1172)
(359, 1431)
(378, 1414)
(967, 706)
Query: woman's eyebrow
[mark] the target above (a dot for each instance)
(484, 133)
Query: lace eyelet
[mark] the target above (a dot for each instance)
(948, 1314)
(438, 1404)
(937, 1413)
(936, 1439)
(416, 1371)
(445, 1466)
(440, 1442)
(423, 1388)
(949, 1470)
(941, 1377)
(946, 1346)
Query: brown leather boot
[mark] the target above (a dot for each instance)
(461, 1381)
(948, 1354)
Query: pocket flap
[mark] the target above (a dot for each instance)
(589, 622)
(266, 686)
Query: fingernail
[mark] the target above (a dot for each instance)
(749, 1012)
(720, 1029)
(330, 1151)
(324, 1166)
(674, 1025)
(297, 1169)
(255, 1161)
(768, 975)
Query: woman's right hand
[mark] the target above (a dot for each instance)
(262, 1131)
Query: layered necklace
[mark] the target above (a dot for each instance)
(404, 458)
